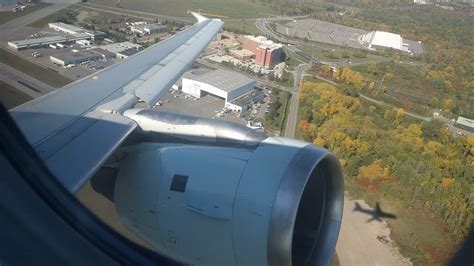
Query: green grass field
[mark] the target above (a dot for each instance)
(10, 15)
(40, 23)
(292, 60)
(241, 25)
(46, 75)
(10, 96)
(237, 9)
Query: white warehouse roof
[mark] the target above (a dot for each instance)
(465, 122)
(384, 39)
(120, 47)
(222, 79)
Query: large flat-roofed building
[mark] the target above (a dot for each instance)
(74, 58)
(227, 85)
(45, 41)
(377, 40)
(465, 123)
(73, 30)
(267, 53)
(122, 49)
(66, 28)
(147, 29)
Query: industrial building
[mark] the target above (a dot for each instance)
(66, 28)
(122, 50)
(72, 34)
(465, 123)
(73, 30)
(45, 41)
(105, 54)
(147, 29)
(377, 40)
(267, 53)
(74, 58)
(237, 90)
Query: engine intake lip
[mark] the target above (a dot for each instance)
(312, 169)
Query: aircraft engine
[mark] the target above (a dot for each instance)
(276, 203)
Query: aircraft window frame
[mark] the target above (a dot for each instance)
(21, 155)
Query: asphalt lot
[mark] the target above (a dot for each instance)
(73, 73)
(321, 31)
(207, 106)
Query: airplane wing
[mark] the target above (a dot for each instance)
(76, 128)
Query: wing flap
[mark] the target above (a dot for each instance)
(79, 150)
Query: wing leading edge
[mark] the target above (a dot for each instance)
(76, 128)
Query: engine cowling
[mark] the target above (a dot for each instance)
(278, 203)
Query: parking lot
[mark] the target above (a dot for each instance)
(73, 73)
(210, 106)
(321, 31)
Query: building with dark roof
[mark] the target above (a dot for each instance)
(74, 58)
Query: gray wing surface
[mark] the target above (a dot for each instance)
(76, 128)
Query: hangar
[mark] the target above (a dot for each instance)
(236, 89)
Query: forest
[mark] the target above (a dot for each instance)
(382, 149)
(277, 111)
(447, 37)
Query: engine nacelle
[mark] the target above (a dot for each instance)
(278, 203)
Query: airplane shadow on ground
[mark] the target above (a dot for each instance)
(376, 213)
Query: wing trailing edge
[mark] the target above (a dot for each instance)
(76, 128)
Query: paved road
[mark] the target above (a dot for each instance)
(424, 118)
(262, 25)
(363, 243)
(292, 118)
(448, 122)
